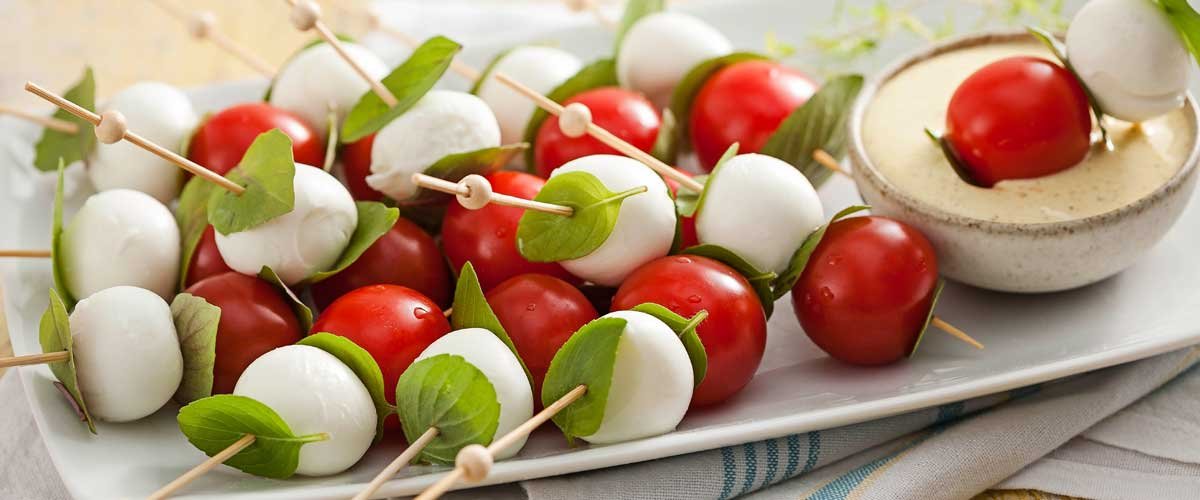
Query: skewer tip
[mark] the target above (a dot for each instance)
(201, 25)
(479, 192)
(575, 119)
(112, 127)
(305, 14)
(475, 462)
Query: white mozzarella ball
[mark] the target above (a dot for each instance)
(482, 349)
(651, 385)
(126, 353)
(645, 228)
(1130, 57)
(539, 68)
(314, 392)
(121, 237)
(442, 123)
(761, 208)
(660, 49)
(307, 240)
(318, 77)
(163, 115)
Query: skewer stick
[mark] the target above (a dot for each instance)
(306, 15)
(203, 467)
(25, 253)
(594, 8)
(375, 23)
(448, 312)
(111, 128)
(399, 463)
(474, 462)
(63, 126)
(203, 25)
(475, 192)
(35, 359)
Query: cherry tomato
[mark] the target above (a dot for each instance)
(356, 165)
(744, 103)
(406, 256)
(255, 319)
(206, 259)
(221, 141)
(687, 225)
(626, 114)
(1018, 118)
(867, 290)
(734, 334)
(487, 238)
(540, 313)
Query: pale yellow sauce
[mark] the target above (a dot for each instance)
(1143, 158)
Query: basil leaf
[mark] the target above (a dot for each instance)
(471, 310)
(1060, 51)
(937, 292)
(213, 423)
(456, 166)
(587, 358)
(760, 281)
(54, 334)
(1186, 21)
(488, 70)
(951, 155)
(666, 143)
(266, 171)
(784, 283)
(602, 73)
(685, 328)
(331, 140)
(687, 89)
(729, 153)
(362, 364)
(192, 217)
(546, 237)
(58, 267)
(447, 392)
(819, 124)
(686, 201)
(303, 313)
(429, 217)
(196, 323)
(55, 146)
(409, 82)
(374, 220)
(311, 43)
(635, 10)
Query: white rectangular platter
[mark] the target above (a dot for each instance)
(1152, 308)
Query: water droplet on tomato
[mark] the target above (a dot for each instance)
(501, 232)
(683, 260)
(695, 299)
(826, 294)
(420, 312)
(531, 307)
(834, 260)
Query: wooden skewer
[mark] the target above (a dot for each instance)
(203, 468)
(399, 463)
(474, 462)
(449, 311)
(63, 126)
(306, 15)
(594, 8)
(203, 26)
(475, 192)
(25, 253)
(35, 359)
(111, 128)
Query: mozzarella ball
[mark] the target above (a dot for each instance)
(126, 353)
(539, 68)
(163, 115)
(645, 228)
(314, 392)
(1130, 57)
(660, 49)
(482, 349)
(442, 123)
(121, 237)
(318, 77)
(307, 240)
(651, 384)
(760, 207)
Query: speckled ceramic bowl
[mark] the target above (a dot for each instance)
(1023, 257)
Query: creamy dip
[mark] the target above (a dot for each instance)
(1143, 157)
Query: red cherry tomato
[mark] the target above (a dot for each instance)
(254, 320)
(487, 238)
(406, 256)
(206, 259)
(744, 103)
(391, 322)
(356, 165)
(626, 114)
(1018, 118)
(735, 332)
(539, 313)
(867, 290)
(221, 141)
(687, 225)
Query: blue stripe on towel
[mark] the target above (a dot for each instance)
(730, 472)
(772, 462)
(793, 455)
(841, 487)
(814, 451)
(949, 412)
(751, 468)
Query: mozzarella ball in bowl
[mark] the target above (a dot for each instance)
(121, 237)
(660, 49)
(318, 77)
(163, 115)
(539, 68)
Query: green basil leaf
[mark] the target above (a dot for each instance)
(192, 217)
(409, 82)
(1186, 21)
(54, 334)
(311, 43)
(266, 171)
(429, 217)
(635, 10)
(951, 155)
(374, 220)
(784, 283)
(488, 70)
(685, 328)
(196, 323)
(213, 423)
(546, 237)
(58, 267)
(456, 166)
(666, 143)
(1059, 50)
(587, 358)
(447, 392)
(760, 281)
(726, 156)
(819, 124)
(303, 313)
(687, 89)
(471, 310)
(602, 73)
(937, 292)
(686, 200)
(54, 146)
(362, 364)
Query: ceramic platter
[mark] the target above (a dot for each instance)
(1149, 309)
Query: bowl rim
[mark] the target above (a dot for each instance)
(862, 163)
